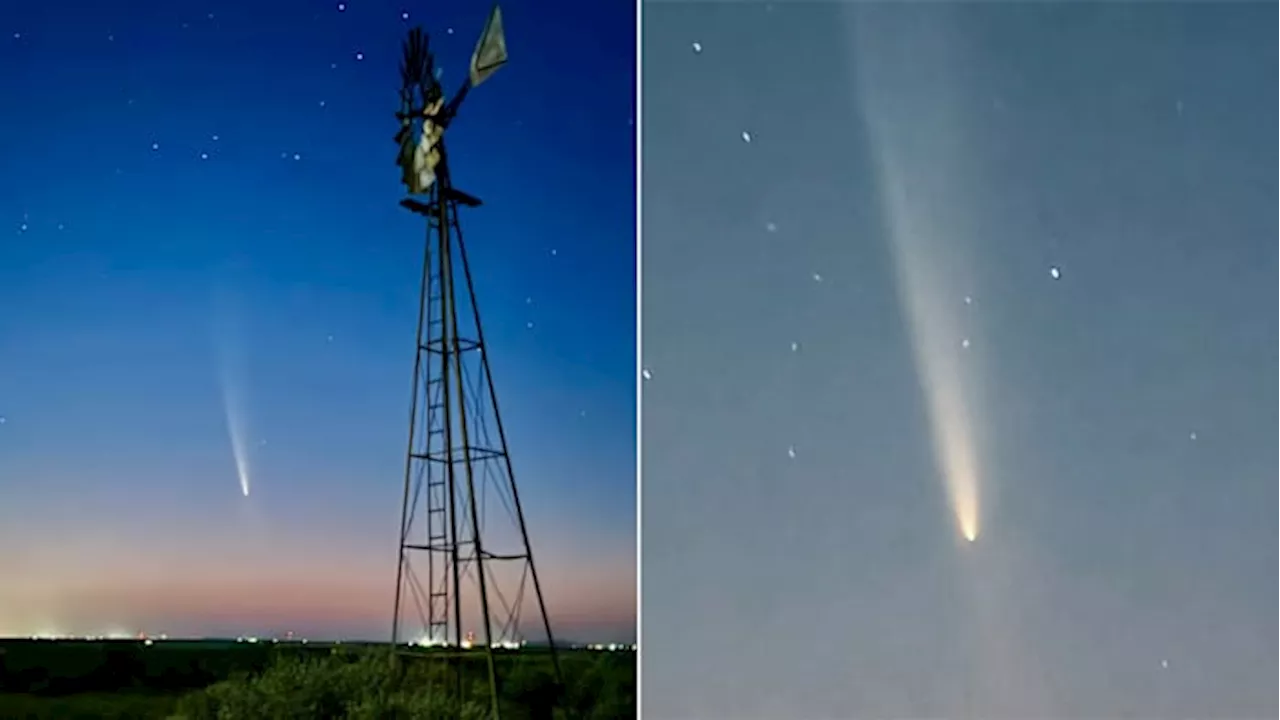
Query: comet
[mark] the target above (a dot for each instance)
(235, 432)
(924, 136)
(229, 359)
(919, 160)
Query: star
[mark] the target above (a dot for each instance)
(771, 227)
(529, 324)
(791, 452)
(965, 343)
(644, 373)
(404, 16)
(968, 300)
(795, 346)
(342, 7)
(746, 136)
(1164, 664)
(1055, 273)
(155, 146)
(697, 48)
(1193, 435)
(3, 420)
(359, 56)
(817, 277)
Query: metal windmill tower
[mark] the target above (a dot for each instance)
(465, 561)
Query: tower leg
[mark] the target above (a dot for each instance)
(447, 346)
(477, 545)
(511, 477)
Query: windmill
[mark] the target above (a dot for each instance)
(458, 474)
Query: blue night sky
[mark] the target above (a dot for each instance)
(184, 180)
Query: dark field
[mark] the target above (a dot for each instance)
(208, 679)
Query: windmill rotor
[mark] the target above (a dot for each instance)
(423, 113)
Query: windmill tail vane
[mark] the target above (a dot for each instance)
(491, 50)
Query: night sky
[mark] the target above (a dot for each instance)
(198, 211)
(920, 270)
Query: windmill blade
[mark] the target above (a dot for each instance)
(416, 57)
(491, 51)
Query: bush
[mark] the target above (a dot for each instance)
(358, 686)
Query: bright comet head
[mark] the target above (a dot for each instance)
(964, 498)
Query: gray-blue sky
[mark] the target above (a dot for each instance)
(1119, 416)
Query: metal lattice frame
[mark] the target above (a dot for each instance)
(457, 456)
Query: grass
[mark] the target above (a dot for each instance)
(83, 706)
(126, 679)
